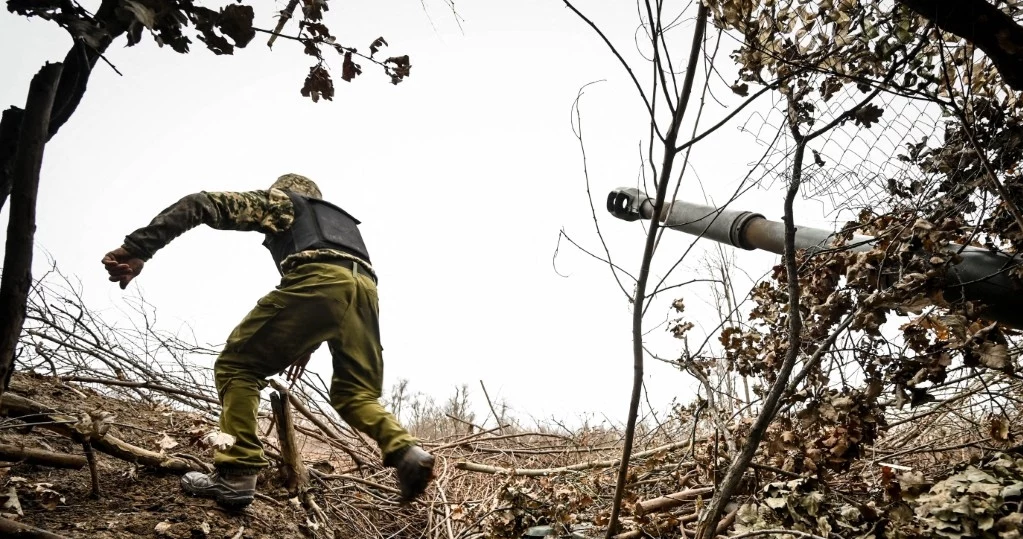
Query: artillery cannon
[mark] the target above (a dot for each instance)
(980, 275)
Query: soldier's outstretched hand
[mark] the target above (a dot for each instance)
(122, 266)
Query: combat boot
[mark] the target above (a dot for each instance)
(414, 467)
(234, 492)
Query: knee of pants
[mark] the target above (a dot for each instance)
(347, 404)
(228, 371)
(344, 391)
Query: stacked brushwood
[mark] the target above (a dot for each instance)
(102, 419)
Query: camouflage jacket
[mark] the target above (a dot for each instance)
(267, 211)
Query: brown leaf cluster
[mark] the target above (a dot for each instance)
(175, 23)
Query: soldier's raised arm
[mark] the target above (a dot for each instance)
(269, 211)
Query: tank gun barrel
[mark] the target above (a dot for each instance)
(981, 275)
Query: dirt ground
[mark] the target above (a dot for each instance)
(135, 501)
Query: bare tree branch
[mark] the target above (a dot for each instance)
(644, 272)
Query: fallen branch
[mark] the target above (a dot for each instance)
(526, 435)
(10, 528)
(727, 521)
(354, 479)
(527, 472)
(774, 469)
(512, 451)
(671, 501)
(139, 385)
(469, 424)
(794, 533)
(32, 455)
(464, 440)
(15, 405)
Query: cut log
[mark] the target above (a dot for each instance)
(31, 455)
(12, 529)
(664, 503)
(15, 405)
(296, 474)
(338, 441)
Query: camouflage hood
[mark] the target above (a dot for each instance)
(297, 184)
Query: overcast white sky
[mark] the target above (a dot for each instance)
(463, 176)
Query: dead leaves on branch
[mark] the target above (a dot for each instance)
(830, 431)
(222, 31)
(679, 327)
(867, 115)
(375, 46)
(234, 21)
(71, 16)
(987, 139)
(982, 500)
(829, 51)
(828, 428)
(318, 84)
(854, 46)
(854, 40)
(803, 505)
(398, 67)
(93, 425)
(349, 69)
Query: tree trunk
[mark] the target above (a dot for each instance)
(10, 125)
(78, 64)
(982, 24)
(336, 438)
(28, 160)
(640, 294)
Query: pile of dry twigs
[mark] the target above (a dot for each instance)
(103, 419)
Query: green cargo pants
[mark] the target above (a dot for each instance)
(315, 303)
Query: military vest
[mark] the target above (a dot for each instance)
(318, 225)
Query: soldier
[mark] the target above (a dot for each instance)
(327, 294)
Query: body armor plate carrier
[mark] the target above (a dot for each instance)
(318, 225)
